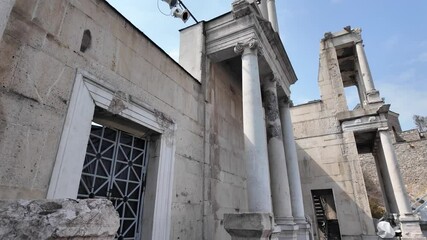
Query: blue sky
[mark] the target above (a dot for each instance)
(394, 33)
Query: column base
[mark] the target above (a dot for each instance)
(249, 226)
(373, 97)
(288, 232)
(304, 229)
(410, 226)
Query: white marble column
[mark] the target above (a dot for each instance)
(385, 181)
(409, 222)
(292, 162)
(281, 194)
(272, 14)
(256, 158)
(293, 170)
(364, 68)
(396, 180)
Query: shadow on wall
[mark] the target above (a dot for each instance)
(333, 199)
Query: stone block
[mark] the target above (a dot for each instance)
(103, 45)
(74, 24)
(25, 8)
(186, 221)
(10, 49)
(25, 32)
(58, 219)
(249, 226)
(36, 74)
(49, 14)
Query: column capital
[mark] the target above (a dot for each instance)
(381, 129)
(285, 102)
(269, 81)
(251, 44)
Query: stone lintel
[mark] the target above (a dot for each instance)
(345, 36)
(249, 225)
(364, 124)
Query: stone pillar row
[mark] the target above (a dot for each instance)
(273, 181)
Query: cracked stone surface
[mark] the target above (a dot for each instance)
(58, 219)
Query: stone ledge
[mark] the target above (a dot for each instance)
(58, 219)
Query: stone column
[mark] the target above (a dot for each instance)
(385, 182)
(364, 67)
(256, 159)
(281, 195)
(409, 222)
(293, 170)
(263, 8)
(372, 95)
(258, 224)
(390, 158)
(5, 9)
(272, 14)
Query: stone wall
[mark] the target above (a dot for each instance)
(225, 180)
(42, 51)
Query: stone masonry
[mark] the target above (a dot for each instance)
(58, 219)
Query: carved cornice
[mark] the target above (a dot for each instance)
(241, 8)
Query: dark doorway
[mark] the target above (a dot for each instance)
(326, 214)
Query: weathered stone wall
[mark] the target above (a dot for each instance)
(225, 181)
(328, 158)
(411, 152)
(41, 53)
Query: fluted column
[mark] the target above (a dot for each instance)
(292, 162)
(272, 14)
(390, 158)
(256, 158)
(364, 68)
(281, 195)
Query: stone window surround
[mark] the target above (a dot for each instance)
(88, 92)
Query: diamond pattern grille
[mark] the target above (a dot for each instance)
(115, 168)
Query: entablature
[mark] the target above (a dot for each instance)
(241, 25)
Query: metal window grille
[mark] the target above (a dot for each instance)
(115, 168)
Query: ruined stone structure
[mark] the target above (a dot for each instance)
(90, 107)
(330, 138)
(90, 219)
(411, 151)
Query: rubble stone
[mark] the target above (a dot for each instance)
(58, 219)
